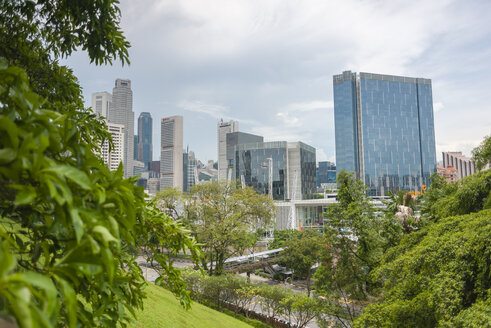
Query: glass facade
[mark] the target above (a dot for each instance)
(145, 138)
(384, 130)
(308, 170)
(326, 173)
(252, 163)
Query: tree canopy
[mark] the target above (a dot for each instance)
(482, 153)
(224, 220)
(302, 252)
(438, 276)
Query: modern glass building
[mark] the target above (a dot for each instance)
(145, 138)
(384, 130)
(293, 168)
(326, 173)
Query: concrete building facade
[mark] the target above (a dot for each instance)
(171, 153)
(121, 112)
(464, 165)
(101, 103)
(116, 156)
(223, 128)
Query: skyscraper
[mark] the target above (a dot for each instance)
(145, 138)
(189, 170)
(171, 142)
(116, 156)
(222, 129)
(384, 130)
(121, 112)
(101, 103)
(293, 167)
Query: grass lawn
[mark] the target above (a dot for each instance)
(162, 309)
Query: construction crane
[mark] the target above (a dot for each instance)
(291, 217)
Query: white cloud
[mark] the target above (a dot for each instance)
(213, 110)
(438, 106)
(320, 155)
(269, 64)
(310, 106)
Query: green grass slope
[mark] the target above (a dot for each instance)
(162, 309)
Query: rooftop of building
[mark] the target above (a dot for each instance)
(349, 76)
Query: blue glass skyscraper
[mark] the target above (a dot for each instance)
(384, 130)
(145, 138)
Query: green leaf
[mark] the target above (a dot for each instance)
(78, 224)
(8, 126)
(25, 196)
(70, 301)
(105, 234)
(72, 173)
(7, 155)
(46, 285)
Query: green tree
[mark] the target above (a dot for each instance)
(436, 277)
(271, 298)
(67, 223)
(482, 153)
(354, 247)
(302, 252)
(304, 309)
(470, 194)
(281, 236)
(224, 220)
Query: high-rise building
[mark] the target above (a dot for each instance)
(223, 128)
(464, 165)
(189, 170)
(135, 149)
(293, 168)
(326, 173)
(232, 140)
(116, 156)
(101, 103)
(384, 130)
(171, 152)
(121, 112)
(145, 138)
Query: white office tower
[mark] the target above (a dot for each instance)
(116, 156)
(101, 102)
(222, 130)
(171, 164)
(121, 112)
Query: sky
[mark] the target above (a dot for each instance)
(269, 64)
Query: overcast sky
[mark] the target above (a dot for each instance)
(269, 64)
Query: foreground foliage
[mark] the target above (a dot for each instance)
(67, 224)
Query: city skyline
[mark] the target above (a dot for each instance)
(270, 66)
